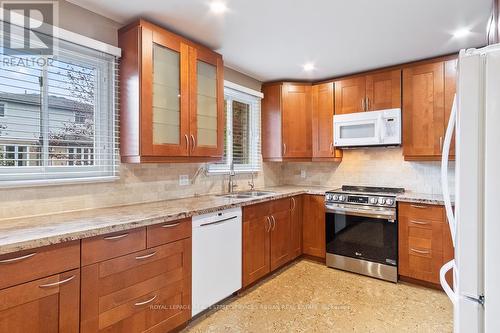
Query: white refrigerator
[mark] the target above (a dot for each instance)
(475, 219)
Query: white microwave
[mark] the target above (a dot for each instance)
(373, 128)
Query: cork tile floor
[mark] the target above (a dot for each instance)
(309, 297)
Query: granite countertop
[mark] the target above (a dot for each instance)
(30, 232)
(433, 199)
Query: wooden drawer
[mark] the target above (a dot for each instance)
(113, 245)
(117, 294)
(20, 267)
(255, 211)
(50, 304)
(421, 212)
(168, 232)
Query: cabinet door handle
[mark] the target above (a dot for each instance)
(194, 142)
(146, 302)
(441, 144)
(12, 260)
(116, 237)
(420, 251)
(187, 140)
(419, 206)
(284, 149)
(171, 225)
(58, 283)
(274, 222)
(293, 203)
(419, 222)
(363, 102)
(331, 147)
(268, 220)
(146, 256)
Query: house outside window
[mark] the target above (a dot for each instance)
(242, 148)
(2, 110)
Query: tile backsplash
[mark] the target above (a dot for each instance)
(138, 183)
(154, 182)
(374, 166)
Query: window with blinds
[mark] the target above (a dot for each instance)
(58, 116)
(242, 134)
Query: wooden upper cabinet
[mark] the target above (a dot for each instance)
(286, 121)
(383, 90)
(207, 103)
(350, 95)
(423, 111)
(450, 88)
(171, 97)
(323, 109)
(271, 122)
(296, 121)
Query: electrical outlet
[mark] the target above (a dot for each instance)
(302, 173)
(183, 180)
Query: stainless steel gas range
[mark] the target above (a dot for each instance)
(362, 230)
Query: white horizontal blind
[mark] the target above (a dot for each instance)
(242, 135)
(59, 119)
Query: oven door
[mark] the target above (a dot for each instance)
(362, 232)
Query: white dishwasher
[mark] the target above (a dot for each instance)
(216, 257)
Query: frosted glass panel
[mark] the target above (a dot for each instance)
(166, 95)
(207, 104)
(357, 131)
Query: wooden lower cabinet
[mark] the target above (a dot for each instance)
(271, 237)
(296, 227)
(50, 304)
(149, 290)
(424, 241)
(313, 230)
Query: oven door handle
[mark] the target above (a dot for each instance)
(390, 215)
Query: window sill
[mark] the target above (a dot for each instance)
(54, 182)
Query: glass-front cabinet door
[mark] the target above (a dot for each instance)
(206, 112)
(164, 95)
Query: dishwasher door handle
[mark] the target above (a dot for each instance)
(218, 221)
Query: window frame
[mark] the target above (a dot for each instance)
(3, 107)
(19, 176)
(234, 92)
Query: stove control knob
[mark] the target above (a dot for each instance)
(373, 200)
(389, 202)
(381, 201)
(335, 197)
(342, 197)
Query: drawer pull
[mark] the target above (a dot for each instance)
(146, 302)
(116, 237)
(420, 251)
(170, 225)
(9, 261)
(58, 283)
(419, 206)
(419, 222)
(146, 256)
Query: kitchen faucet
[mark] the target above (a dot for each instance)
(231, 185)
(251, 183)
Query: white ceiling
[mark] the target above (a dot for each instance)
(272, 39)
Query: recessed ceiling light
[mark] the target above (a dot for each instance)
(308, 67)
(461, 33)
(218, 7)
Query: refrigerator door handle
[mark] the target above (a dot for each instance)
(444, 170)
(442, 279)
